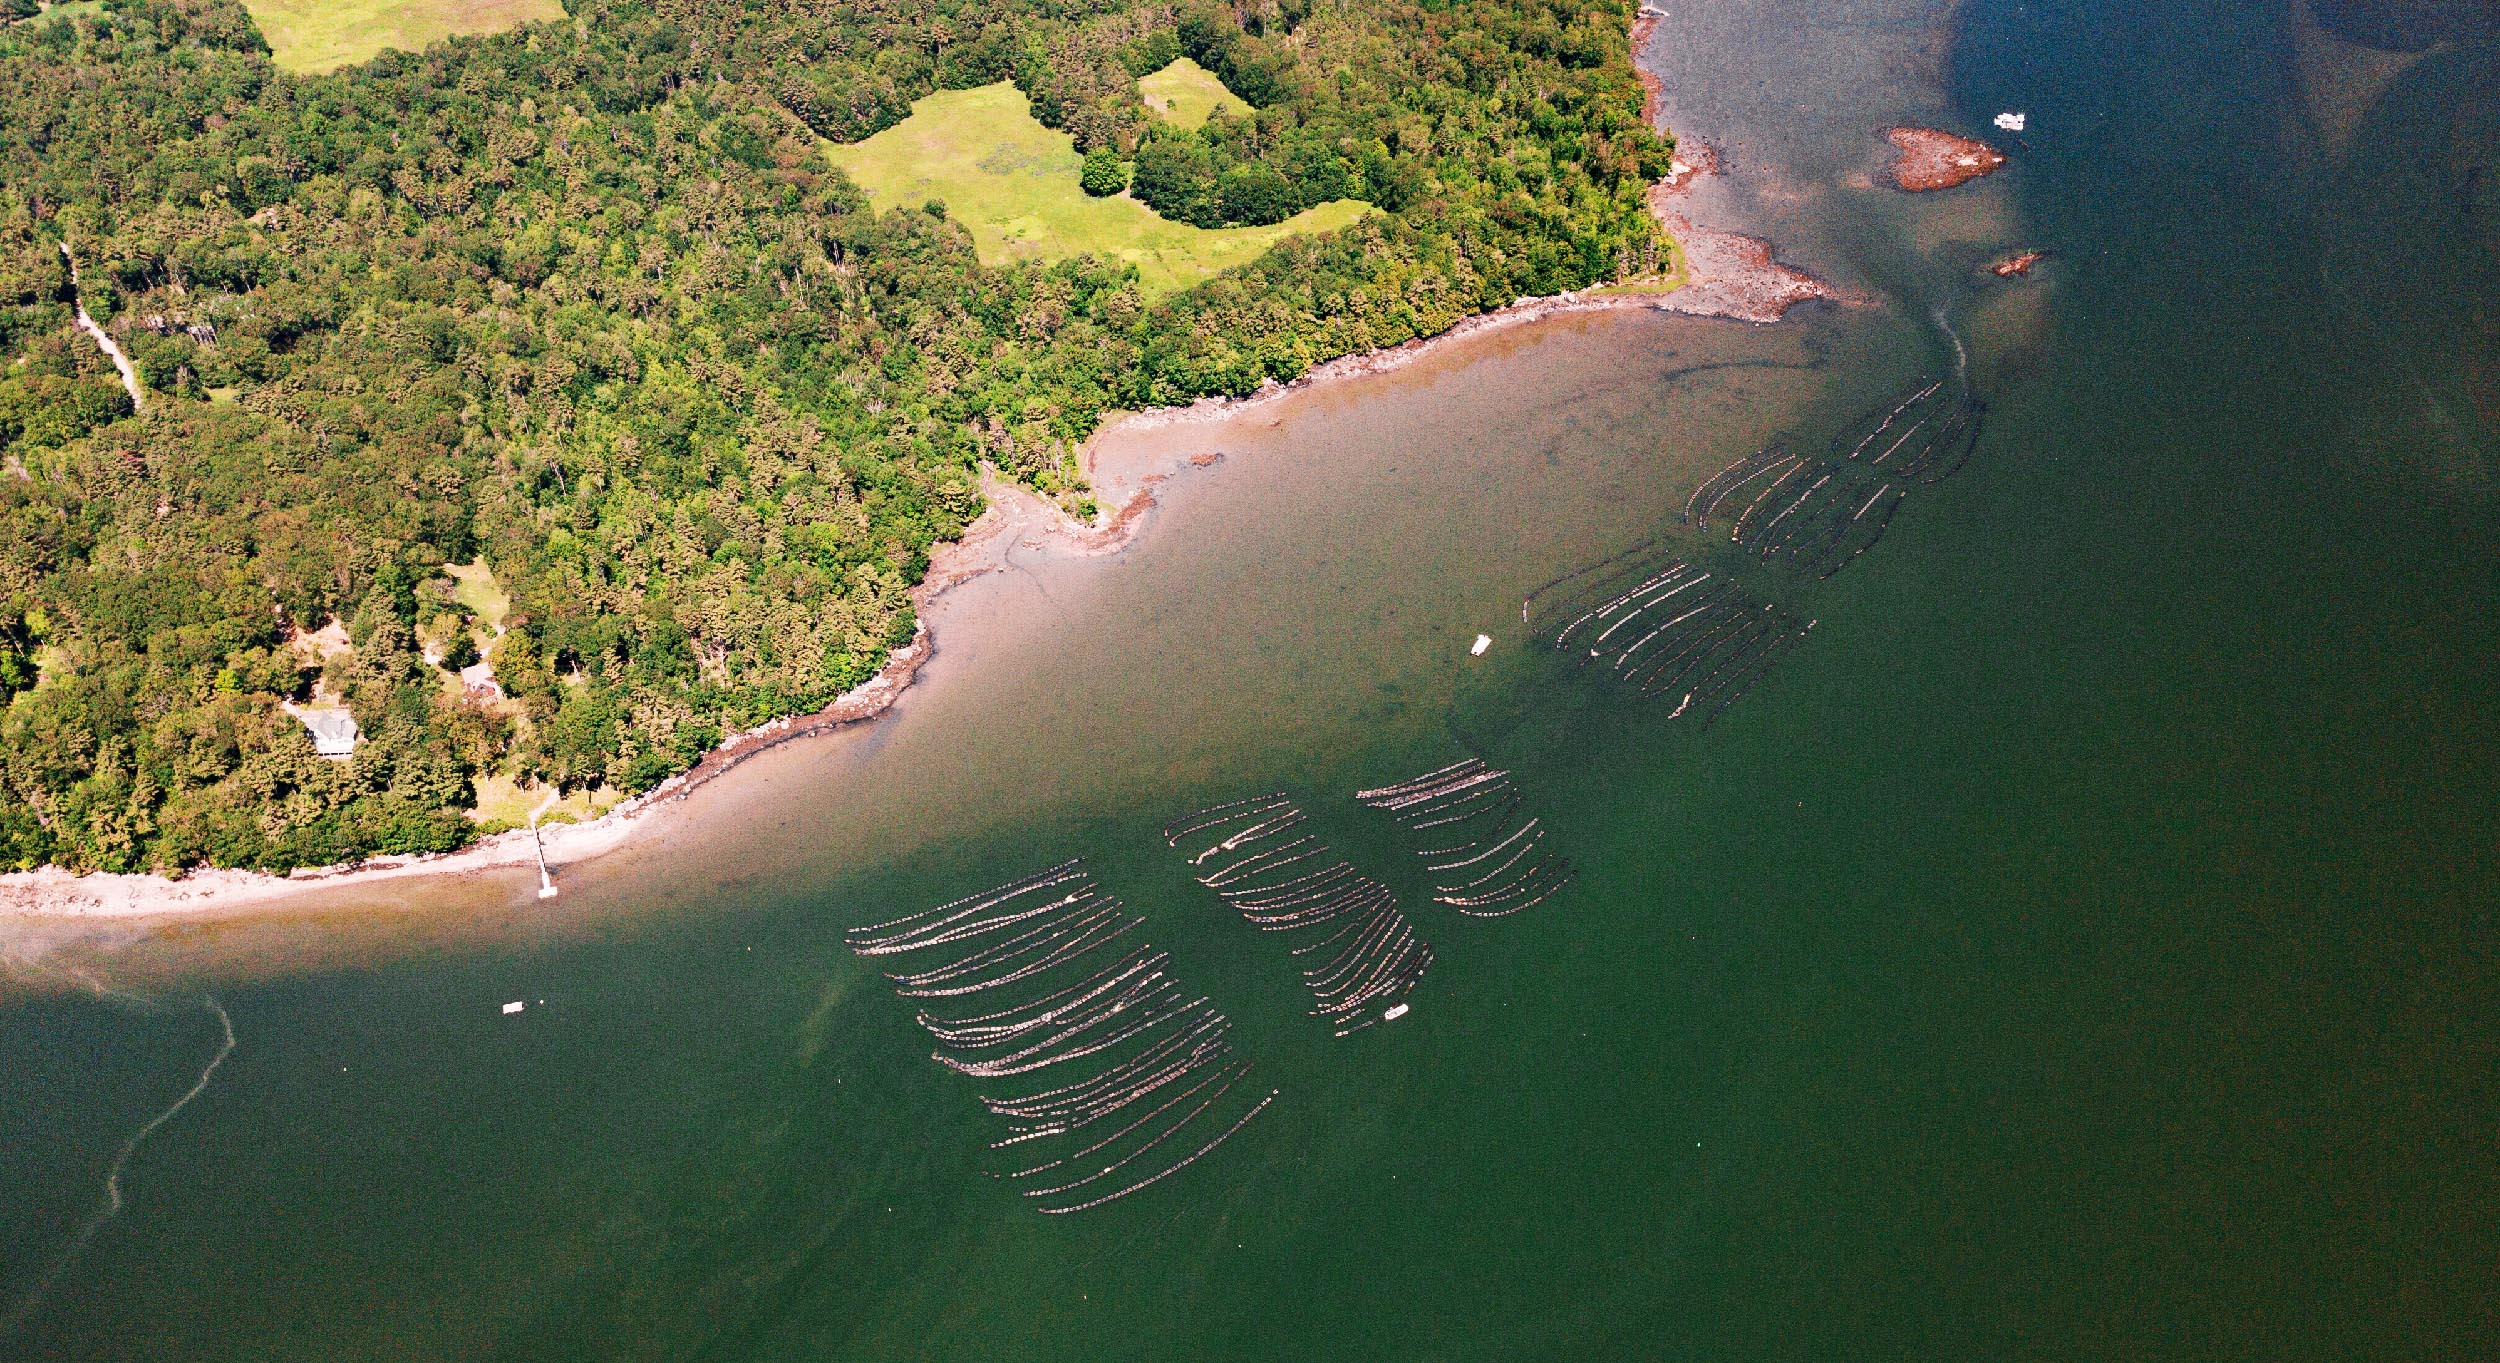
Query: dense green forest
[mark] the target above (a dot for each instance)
(585, 300)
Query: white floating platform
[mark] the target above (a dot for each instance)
(513, 1007)
(1483, 642)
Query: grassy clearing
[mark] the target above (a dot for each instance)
(323, 35)
(1187, 94)
(1013, 184)
(478, 593)
(505, 803)
(52, 662)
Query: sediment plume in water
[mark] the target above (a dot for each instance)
(1143, 1080)
(1300, 887)
(1142, 1069)
(111, 1206)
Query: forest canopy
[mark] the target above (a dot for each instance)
(586, 303)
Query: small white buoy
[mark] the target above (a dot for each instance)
(513, 1007)
(1394, 1014)
(2012, 122)
(1483, 642)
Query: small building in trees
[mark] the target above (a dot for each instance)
(334, 732)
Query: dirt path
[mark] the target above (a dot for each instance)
(130, 375)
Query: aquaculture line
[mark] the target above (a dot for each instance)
(1669, 620)
(1151, 1084)
(1290, 884)
(1110, 1077)
(1478, 868)
(1142, 1073)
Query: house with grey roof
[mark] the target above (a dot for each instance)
(334, 732)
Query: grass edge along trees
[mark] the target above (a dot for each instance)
(1024, 193)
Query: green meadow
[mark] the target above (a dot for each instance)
(1012, 183)
(1186, 94)
(323, 35)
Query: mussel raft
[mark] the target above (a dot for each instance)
(1153, 1085)
(1483, 863)
(1279, 881)
(1677, 626)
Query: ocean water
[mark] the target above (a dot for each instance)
(2082, 945)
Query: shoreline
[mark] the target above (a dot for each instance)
(1645, 21)
(1014, 516)
(1728, 275)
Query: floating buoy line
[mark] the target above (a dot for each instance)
(1110, 1077)
(1144, 1081)
(1680, 622)
(1300, 887)
(1485, 862)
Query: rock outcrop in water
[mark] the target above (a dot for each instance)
(1727, 274)
(1926, 159)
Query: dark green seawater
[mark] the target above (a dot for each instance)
(2083, 946)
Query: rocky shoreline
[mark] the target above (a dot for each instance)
(1653, 90)
(1728, 274)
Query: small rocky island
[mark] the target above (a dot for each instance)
(1926, 159)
